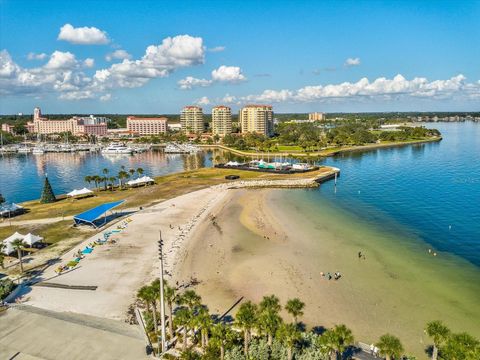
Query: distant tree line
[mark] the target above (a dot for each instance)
(315, 136)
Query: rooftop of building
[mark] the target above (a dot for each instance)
(257, 105)
(192, 107)
(161, 118)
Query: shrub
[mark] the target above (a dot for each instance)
(6, 287)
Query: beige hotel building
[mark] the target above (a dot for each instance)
(316, 116)
(257, 118)
(76, 126)
(221, 120)
(191, 120)
(147, 126)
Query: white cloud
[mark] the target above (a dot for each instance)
(158, 61)
(224, 74)
(77, 95)
(230, 74)
(380, 89)
(118, 54)
(228, 99)
(89, 62)
(61, 61)
(217, 49)
(83, 35)
(352, 62)
(202, 101)
(106, 97)
(34, 56)
(63, 73)
(190, 82)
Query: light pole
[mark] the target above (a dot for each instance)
(162, 302)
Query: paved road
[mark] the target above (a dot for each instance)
(38, 334)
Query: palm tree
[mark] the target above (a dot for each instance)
(328, 344)
(390, 346)
(88, 179)
(204, 322)
(246, 318)
(148, 295)
(105, 178)
(271, 303)
(131, 171)
(112, 181)
(191, 299)
(269, 320)
(96, 180)
(268, 323)
(461, 346)
(222, 336)
(18, 245)
(139, 171)
(121, 176)
(289, 335)
(170, 296)
(183, 317)
(335, 341)
(439, 333)
(295, 308)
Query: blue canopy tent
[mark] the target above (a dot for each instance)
(90, 216)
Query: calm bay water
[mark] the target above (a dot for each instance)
(428, 191)
(21, 175)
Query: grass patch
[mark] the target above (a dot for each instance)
(51, 232)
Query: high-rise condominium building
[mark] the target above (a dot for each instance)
(147, 126)
(316, 116)
(257, 118)
(221, 120)
(191, 120)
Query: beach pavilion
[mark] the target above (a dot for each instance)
(95, 215)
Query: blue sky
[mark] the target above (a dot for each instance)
(298, 56)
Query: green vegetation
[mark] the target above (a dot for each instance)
(6, 287)
(316, 137)
(259, 332)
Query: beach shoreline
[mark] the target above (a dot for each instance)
(258, 247)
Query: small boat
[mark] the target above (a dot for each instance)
(38, 151)
(117, 149)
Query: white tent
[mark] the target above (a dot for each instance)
(31, 239)
(76, 192)
(142, 180)
(7, 243)
(10, 209)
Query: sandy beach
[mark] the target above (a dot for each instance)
(120, 269)
(262, 244)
